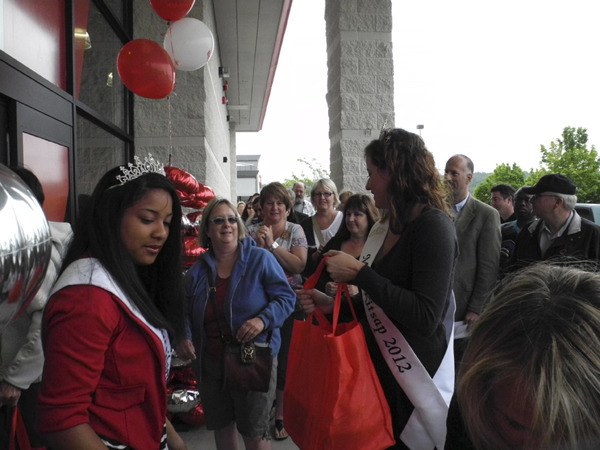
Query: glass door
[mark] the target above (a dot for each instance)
(43, 145)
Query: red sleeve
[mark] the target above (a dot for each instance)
(78, 326)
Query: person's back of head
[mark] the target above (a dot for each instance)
(32, 182)
(530, 376)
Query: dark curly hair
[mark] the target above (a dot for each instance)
(414, 177)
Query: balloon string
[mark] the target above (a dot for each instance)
(170, 131)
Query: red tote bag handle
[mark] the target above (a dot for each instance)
(312, 281)
(19, 440)
(342, 289)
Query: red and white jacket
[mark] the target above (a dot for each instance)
(105, 364)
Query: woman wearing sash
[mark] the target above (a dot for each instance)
(405, 274)
(114, 310)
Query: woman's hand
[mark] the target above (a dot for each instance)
(265, 236)
(250, 329)
(9, 394)
(331, 289)
(342, 267)
(185, 350)
(310, 299)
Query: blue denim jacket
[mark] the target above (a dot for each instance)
(258, 287)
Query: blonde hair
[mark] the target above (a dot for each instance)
(541, 334)
(327, 184)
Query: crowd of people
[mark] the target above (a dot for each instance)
(495, 307)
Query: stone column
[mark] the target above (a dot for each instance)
(360, 85)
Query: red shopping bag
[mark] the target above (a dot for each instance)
(333, 398)
(18, 433)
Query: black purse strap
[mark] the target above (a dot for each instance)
(225, 337)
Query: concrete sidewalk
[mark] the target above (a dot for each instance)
(202, 439)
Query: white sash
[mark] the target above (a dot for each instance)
(426, 427)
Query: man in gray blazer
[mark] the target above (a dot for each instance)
(478, 231)
(479, 237)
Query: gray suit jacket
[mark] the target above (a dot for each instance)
(479, 237)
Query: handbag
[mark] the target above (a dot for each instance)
(333, 399)
(246, 366)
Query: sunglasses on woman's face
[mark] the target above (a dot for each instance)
(221, 220)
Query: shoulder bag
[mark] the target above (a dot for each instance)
(246, 366)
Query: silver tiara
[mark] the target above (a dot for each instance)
(139, 167)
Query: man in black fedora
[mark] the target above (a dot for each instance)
(559, 233)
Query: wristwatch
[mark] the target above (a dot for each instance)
(273, 246)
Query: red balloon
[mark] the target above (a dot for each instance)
(172, 10)
(146, 69)
(194, 418)
(191, 251)
(191, 193)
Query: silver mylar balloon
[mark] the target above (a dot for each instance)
(183, 400)
(25, 246)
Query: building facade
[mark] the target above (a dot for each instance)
(66, 115)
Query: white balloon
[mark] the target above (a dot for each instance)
(190, 43)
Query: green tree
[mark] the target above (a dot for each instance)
(502, 174)
(310, 171)
(571, 157)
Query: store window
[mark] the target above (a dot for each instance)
(97, 152)
(33, 32)
(50, 162)
(116, 7)
(97, 83)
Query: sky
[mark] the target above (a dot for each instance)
(492, 80)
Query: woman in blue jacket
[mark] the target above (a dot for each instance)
(251, 300)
